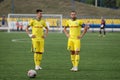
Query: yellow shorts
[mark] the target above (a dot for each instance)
(74, 44)
(38, 46)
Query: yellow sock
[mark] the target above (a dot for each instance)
(35, 59)
(73, 59)
(77, 58)
(39, 59)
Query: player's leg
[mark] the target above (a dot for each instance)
(38, 61)
(39, 54)
(70, 47)
(41, 50)
(77, 59)
(17, 28)
(72, 59)
(104, 31)
(36, 45)
(21, 27)
(77, 56)
(34, 48)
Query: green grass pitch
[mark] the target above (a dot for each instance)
(100, 58)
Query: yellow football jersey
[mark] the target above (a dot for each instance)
(75, 28)
(37, 28)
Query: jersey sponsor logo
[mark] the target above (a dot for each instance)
(74, 26)
(37, 27)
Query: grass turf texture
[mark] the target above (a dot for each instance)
(100, 58)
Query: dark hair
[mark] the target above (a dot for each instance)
(38, 10)
(73, 11)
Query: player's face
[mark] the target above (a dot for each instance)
(73, 15)
(39, 14)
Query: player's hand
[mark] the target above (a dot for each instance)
(79, 37)
(44, 36)
(67, 35)
(32, 36)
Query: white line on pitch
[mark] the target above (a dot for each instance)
(21, 40)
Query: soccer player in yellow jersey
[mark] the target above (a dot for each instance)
(38, 35)
(74, 37)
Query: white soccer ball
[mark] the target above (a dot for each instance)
(32, 73)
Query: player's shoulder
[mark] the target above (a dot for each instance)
(80, 20)
(32, 19)
(68, 20)
(42, 19)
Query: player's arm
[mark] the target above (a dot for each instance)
(65, 31)
(84, 31)
(46, 32)
(46, 29)
(27, 31)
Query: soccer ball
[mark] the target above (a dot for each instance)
(32, 73)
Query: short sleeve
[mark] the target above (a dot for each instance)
(81, 22)
(44, 23)
(31, 23)
(67, 23)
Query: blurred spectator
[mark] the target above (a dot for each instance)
(21, 25)
(17, 25)
(3, 20)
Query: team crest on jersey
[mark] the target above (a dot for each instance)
(76, 23)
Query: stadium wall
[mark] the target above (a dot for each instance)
(111, 24)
